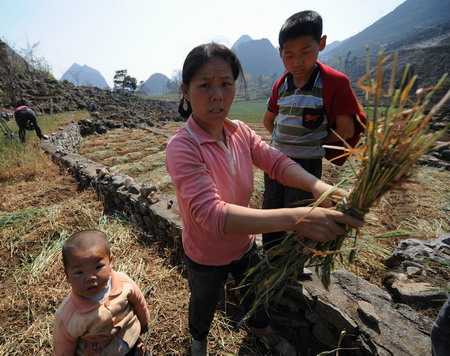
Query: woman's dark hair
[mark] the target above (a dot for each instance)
(197, 58)
(304, 23)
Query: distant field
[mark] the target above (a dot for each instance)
(164, 97)
(248, 111)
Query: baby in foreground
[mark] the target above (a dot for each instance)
(106, 311)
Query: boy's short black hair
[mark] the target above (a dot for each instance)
(304, 23)
(83, 240)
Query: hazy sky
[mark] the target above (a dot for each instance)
(149, 36)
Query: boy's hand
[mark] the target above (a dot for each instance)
(345, 128)
(321, 188)
(269, 121)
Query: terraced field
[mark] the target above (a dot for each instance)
(140, 154)
(420, 207)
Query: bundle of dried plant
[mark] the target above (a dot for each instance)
(395, 138)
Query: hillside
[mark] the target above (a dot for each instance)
(258, 58)
(407, 18)
(85, 76)
(419, 31)
(19, 86)
(156, 84)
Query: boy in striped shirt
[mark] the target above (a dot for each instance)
(310, 105)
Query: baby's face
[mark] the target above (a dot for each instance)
(88, 271)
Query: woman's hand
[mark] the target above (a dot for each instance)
(321, 224)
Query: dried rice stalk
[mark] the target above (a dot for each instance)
(395, 138)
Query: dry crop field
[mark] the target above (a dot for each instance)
(141, 154)
(40, 207)
(421, 207)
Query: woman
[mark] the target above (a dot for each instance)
(210, 161)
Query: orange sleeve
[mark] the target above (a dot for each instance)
(137, 300)
(64, 344)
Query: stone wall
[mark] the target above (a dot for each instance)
(148, 208)
(308, 315)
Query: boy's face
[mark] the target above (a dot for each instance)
(88, 271)
(299, 56)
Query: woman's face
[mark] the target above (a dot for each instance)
(211, 93)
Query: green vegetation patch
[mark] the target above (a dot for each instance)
(20, 218)
(248, 111)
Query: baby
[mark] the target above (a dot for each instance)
(106, 311)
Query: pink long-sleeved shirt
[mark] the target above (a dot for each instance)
(208, 176)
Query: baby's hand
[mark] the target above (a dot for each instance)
(144, 328)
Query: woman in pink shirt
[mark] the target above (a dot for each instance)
(210, 160)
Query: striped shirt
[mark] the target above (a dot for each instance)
(301, 122)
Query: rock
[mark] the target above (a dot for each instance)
(399, 330)
(368, 311)
(419, 251)
(147, 189)
(413, 271)
(153, 197)
(324, 335)
(414, 256)
(101, 129)
(134, 188)
(391, 277)
(287, 320)
(289, 303)
(117, 181)
(102, 172)
(441, 244)
(419, 295)
(128, 182)
(142, 206)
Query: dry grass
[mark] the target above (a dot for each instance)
(141, 154)
(37, 212)
(24, 162)
(138, 153)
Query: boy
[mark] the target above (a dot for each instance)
(106, 311)
(307, 102)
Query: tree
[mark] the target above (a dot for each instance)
(38, 64)
(75, 73)
(173, 85)
(123, 81)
